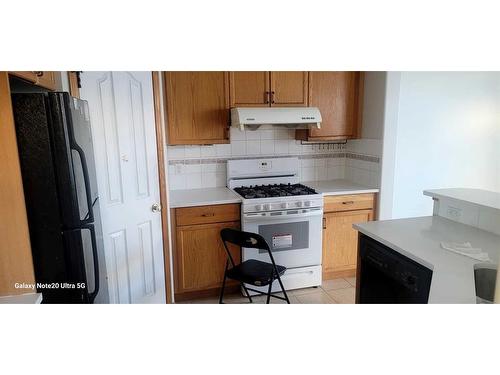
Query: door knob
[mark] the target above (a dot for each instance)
(156, 207)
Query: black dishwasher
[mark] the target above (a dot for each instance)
(386, 276)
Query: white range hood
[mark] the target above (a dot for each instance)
(285, 117)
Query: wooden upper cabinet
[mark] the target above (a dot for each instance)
(289, 89)
(45, 79)
(28, 76)
(249, 89)
(264, 89)
(197, 107)
(339, 97)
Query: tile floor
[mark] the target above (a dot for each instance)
(331, 291)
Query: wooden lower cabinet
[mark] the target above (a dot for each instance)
(340, 241)
(200, 257)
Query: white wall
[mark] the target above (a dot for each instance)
(373, 105)
(388, 162)
(441, 130)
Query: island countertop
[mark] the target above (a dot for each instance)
(479, 197)
(420, 238)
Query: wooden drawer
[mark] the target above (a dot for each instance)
(338, 203)
(207, 214)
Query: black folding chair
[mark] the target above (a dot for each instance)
(253, 272)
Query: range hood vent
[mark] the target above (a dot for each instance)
(289, 117)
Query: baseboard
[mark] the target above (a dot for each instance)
(179, 297)
(336, 274)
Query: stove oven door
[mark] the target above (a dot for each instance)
(294, 236)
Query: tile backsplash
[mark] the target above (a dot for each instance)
(191, 167)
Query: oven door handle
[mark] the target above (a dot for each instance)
(251, 217)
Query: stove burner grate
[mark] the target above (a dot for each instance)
(276, 190)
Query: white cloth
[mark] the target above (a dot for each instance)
(467, 250)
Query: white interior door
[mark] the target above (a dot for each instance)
(123, 124)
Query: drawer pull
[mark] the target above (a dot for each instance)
(208, 214)
(324, 223)
(348, 202)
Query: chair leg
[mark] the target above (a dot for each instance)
(283, 289)
(221, 296)
(247, 292)
(269, 291)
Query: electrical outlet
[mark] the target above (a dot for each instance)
(453, 212)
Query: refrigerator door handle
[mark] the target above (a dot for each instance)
(86, 179)
(95, 262)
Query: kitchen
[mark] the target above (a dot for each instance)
(340, 157)
(294, 154)
(299, 158)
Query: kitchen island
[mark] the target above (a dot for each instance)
(419, 239)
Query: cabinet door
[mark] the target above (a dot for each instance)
(44, 79)
(16, 264)
(340, 242)
(47, 80)
(201, 257)
(197, 107)
(338, 95)
(289, 89)
(28, 76)
(249, 89)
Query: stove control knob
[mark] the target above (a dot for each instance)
(299, 204)
(258, 207)
(307, 203)
(284, 205)
(267, 207)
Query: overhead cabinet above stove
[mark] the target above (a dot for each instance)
(198, 103)
(269, 89)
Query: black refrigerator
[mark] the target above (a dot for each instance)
(59, 180)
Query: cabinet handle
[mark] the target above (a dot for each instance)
(39, 74)
(266, 97)
(324, 223)
(272, 97)
(208, 214)
(348, 202)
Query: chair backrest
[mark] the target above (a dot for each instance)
(244, 239)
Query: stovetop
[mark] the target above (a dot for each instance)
(276, 190)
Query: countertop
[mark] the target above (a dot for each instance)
(419, 239)
(224, 195)
(29, 298)
(479, 197)
(339, 187)
(202, 197)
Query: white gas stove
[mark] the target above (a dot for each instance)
(287, 214)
